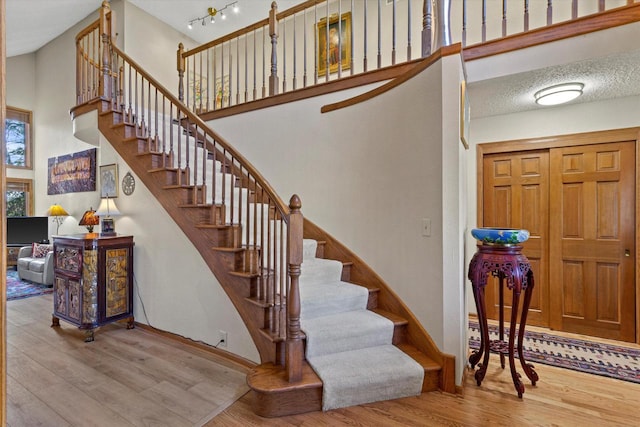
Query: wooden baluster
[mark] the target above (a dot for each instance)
(315, 44)
(464, 23)
(380, 35)
(427, 24)
(105, 81)
(284, 55)
(294, 352)
(230, 76)
(340, 40)
(326, 47)
(208, 91)
(393, 35)
(198, 89)
(215, 82)
(273, 33)
(504, 18)
(365, 37)
(237, 71)
(408, 30)
(295, 83)
(549, 12)
(526, 15)
(222, 75)
(484, 21)
(264, 62)
(351, 63)
(255, 76)
(304, 50)
(246, 69)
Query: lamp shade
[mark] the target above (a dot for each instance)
(57, 210)
(107, 208)
(89, 219)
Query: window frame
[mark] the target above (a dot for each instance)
(24, 116)
(21, 184)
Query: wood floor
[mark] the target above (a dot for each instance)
(123, 378)
(133, 377)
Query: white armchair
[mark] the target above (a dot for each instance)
(38, 269)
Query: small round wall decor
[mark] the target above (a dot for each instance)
(128, 184)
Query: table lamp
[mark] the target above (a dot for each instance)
(58, 213)
(106, 210)
(89, 219)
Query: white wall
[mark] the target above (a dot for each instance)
(369, 174)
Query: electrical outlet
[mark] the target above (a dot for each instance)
(222, 338)
(426, 227)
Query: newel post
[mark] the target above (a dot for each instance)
(294, 352)
(273, 32)
(180, 61)
(105, 33)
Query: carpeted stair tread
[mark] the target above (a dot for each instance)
(367, 375)
(319, 270)
(329, 298)
(345, 331)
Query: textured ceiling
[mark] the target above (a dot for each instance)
(30, 24)
(609, 77)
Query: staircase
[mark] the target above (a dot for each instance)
(255, 245)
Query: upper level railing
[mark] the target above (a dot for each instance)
(217, 176)
(308, 45)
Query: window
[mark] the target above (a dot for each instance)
(17, 138)
(19, 197)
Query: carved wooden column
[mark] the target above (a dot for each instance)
(105, 33)
(273, 33)
(295, 350)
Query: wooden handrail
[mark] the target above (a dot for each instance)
(417, 69)
(195, 119)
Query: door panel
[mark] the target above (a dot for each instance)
(592, 203)
(515, 188)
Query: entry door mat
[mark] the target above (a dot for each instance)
(613, 361)
(18, 289)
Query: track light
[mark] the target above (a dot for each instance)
(212, 12)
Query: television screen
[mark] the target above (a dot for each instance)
(24, 230)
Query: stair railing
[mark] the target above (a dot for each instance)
(288, 50)
(216, 175)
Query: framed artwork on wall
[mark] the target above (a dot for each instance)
(109, 181)
(72, 173)
(338, 47)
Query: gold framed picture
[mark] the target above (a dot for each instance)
(338, 48)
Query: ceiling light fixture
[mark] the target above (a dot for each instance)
(558, 94)
(212, 12)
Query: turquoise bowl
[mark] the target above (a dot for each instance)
(500, 236)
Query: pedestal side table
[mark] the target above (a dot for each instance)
(510, 266)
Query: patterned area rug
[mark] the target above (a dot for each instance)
(608, 360)
(17, 289)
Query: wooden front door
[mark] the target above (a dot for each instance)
(516, 195)
(592, 238)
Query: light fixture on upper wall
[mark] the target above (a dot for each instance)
(212, 12)
(58, 214)
(559, 94)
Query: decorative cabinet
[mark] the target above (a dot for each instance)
(93, 280)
